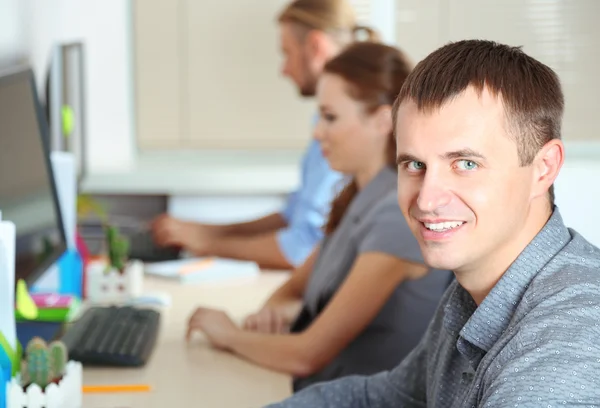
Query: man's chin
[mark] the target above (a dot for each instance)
(307, 93)
(438, 259)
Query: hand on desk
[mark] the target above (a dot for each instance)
(268, 320)
(168, 231)
(215, 324)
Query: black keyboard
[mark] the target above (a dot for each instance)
(113, 336)
(143, 248)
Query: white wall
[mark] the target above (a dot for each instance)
(577, 191)
(104, 28)
(11, 32)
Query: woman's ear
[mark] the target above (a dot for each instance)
(383, 119)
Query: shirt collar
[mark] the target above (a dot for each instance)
(491, 319)
(384, 182)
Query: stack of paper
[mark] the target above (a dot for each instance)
(202, 269)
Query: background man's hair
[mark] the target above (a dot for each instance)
(335, 17)
(529, 90)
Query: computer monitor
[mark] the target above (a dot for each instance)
(28, 195)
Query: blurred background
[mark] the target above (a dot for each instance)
(181, 102)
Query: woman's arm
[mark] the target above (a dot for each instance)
(371, 281)
(284, 305)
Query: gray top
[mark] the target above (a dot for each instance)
(533, 341)
(372, 223)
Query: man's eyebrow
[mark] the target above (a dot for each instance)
(466, 152)
(403, 157)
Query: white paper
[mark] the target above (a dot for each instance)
(65, 178)
(7, 282)
(208, 269)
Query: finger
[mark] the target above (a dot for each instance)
(250, 323)
(264, 321)
(278, 323)
(188, 334)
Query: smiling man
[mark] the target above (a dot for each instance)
(478, 133)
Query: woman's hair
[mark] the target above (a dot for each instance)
(374, 74)
(335, 17)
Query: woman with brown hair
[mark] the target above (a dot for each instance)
(363, 299)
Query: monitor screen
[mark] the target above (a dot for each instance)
(27, 192)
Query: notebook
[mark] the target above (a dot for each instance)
(196, 270)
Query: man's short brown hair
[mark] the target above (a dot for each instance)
(529, 90)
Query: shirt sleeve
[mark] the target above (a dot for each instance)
(290, 205)
(548, 365)
(403, 386)
(389, 233)
(308, 208)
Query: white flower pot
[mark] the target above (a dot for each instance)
(66, 394)
(113, 286)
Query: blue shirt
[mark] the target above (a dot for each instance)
(307, 208)
(532, 342)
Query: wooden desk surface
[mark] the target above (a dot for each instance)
(195, 374)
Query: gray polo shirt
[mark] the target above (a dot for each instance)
(533, 342)
(372, 223)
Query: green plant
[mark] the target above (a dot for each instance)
(118, 248)
(58, 357)
(44, 363)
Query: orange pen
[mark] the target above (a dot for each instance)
(88, 389)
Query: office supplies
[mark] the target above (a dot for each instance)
(203, 269)
(52, 307)
(25, 305)
(92, 389)
(7, 284)
(150, 299)
(113, 336)
(9, 346)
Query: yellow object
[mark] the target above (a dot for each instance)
(88, 389)
(68, 120)
(25, 304)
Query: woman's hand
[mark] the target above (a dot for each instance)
(268, 320)
(215, 324)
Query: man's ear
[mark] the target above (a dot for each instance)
(315, 43)
(548, 162)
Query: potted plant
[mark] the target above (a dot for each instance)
(113, 276)
(47, 378)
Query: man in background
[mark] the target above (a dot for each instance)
(311, 32)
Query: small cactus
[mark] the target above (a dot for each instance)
(35, 343)
(44, 363)
(39, 367)
(58, 357)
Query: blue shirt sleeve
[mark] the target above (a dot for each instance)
(307, 208)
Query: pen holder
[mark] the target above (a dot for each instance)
(66, 393)
(107, 284)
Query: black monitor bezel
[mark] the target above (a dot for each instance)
(27, 74)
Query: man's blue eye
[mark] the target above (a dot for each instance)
(467, 164)
(416, 165)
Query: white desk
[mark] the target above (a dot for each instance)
(196, 375)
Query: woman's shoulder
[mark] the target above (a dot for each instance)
(387, 209)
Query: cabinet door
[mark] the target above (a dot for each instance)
(157, 42)
(236, 96)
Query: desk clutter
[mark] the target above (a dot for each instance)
(46, 378)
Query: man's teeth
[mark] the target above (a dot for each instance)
(443, 226)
